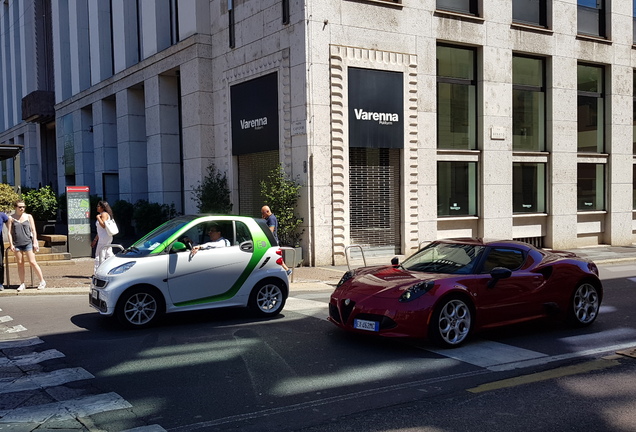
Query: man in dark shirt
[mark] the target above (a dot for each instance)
(272, 223)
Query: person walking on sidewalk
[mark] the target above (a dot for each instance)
(104, 212)
(4, 220)
(23, 239)
(272, 223)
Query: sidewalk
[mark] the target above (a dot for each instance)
(73, 276)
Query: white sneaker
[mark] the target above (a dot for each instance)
(21, 287)
(1, 287)
(42, 285)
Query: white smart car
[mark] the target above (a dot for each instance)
(161, 273)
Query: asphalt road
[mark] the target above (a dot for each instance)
(227, 371)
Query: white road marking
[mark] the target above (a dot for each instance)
(41, 380)
(150, 428)
(14, 329)
(312, 308)
(30, 359)
(545, 360)
(488, 353)
(5, 318)
(65, 410)
(632, 279)
(19, 343)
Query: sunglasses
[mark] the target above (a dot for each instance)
(20, 206)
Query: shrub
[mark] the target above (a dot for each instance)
(123, 212)
(213, 194)
(41, 203)
(8, 196)
(281, 194)
(148, 216)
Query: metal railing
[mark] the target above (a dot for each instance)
(364, 260)
(289, 248)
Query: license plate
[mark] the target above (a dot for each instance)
(366, 325)
(95, 294)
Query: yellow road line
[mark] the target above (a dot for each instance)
(547, 375)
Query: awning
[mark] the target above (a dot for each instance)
(9, 151)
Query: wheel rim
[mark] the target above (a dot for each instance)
(269, 298)
(586, 303)
(140, 308)
(454, 322)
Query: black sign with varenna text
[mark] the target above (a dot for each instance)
(254, 110)
(376, 108)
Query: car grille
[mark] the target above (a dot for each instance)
(99, 283)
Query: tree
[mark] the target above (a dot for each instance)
(213, 194)
(281, 194)
(8, 196)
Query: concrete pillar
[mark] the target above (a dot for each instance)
(104, 137)
(79, 46)
(125, 34)
(61, 50)
(101, 59)
(131, 145)
(162, 131)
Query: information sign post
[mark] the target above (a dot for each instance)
(79, 221)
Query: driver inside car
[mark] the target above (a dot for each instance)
(216, 240)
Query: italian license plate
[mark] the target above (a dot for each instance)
(366, 325)
(95, 294)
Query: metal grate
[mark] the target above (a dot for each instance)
(534, 241)
(374, 197)
(252, 169)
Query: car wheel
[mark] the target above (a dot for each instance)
(585, 304)
(451, 322)
(139, 307)
(268, 298)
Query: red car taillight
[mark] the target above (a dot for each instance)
(279, 261)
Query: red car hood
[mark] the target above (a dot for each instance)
(384, 281)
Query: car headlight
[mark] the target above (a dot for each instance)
(416, 291)
(122, 268)
(345, 277)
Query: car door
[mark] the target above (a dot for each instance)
(210, 275)
(508, 299)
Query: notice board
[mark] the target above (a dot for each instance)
(79, 221)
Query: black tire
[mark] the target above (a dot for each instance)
(140, 307)
(451, 322)
(268, 298)
(584, 305)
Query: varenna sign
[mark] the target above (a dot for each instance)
(376, 108)
(255, 115)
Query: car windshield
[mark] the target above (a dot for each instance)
(450, 258)
(150, 242)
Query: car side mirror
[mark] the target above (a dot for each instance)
(498, 273)
(178, 247)
(247, 246)
(395, 262)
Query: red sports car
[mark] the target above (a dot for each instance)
(452, 288)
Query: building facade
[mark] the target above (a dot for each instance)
(404, 121)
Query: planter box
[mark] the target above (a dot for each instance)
(288, 256)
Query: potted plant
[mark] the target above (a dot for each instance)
(212, 195)
(42, 204)
(281, 194)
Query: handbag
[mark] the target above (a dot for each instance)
(111, 227)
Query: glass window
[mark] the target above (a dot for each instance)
(461, 6)
(591, 187)
(591, 117)
(591, 17)
(456, 188)
(528, 188)
(512, 259)
(528, 104)
(530, 12)
(456, 98)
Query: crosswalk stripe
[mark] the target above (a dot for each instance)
(30, 359)
(313, 308)
(14, 329)
(66, 410)
(149, 428)
(488, 353)
(20, 343)
(41, 380)
(5, 318)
